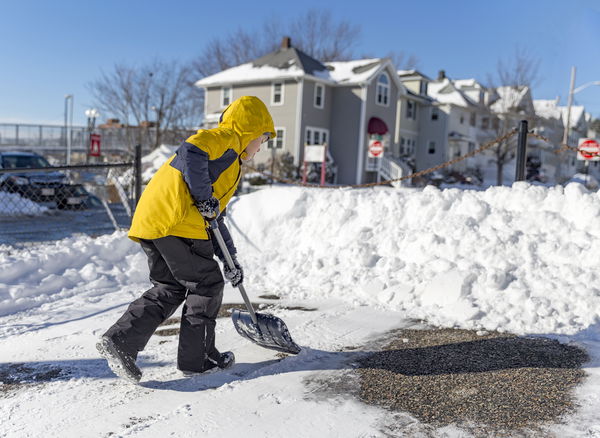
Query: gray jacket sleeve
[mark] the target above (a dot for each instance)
(192, 162)
(226, 237)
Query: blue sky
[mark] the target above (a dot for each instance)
(53, 48)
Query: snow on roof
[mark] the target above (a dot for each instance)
(445, 91)
(343, 72)
(248, 72)
(467, 83)
(509, 98)
(547, 109)
(577, 113)
(350, 72)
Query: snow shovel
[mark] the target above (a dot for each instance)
(263, 329)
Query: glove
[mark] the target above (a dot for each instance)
(209, 209)
(235, 275)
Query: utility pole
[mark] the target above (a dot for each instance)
(67, 126)
(569, 104)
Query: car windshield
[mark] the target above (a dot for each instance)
(23, 161)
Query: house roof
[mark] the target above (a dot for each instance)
(405, 74)
(444, 91)
(292, 63)
(577, 114)
(548, 109)
(287, 57)
(510, 98)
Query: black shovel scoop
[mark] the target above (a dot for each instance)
(263, 329)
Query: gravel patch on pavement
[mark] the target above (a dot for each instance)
(487, 383)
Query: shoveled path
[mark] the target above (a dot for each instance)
(491, 384)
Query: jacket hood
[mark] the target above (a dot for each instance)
(249, 118)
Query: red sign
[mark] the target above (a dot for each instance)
(589, 149)
(95, 141)
(375, 149)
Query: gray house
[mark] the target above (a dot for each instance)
(342, 104)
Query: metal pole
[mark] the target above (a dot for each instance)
(521, 151)
(324, 165)
(137, 163)
(272, 162)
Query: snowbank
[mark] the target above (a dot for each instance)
(522, 258)
(13, 204)
(155, 159)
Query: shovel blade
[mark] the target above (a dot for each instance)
(268, 332)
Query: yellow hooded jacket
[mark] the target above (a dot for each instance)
(206, 164)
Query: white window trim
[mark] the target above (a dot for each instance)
(223, 105)
(273, 103)
(321, 132)
(282, 138)
(317, 85)
(386, 86)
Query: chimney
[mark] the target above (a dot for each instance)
(441, 75)
(286, 42)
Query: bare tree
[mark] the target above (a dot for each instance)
(403, 61)
(315, 33)
(159, 95)
(513, 79)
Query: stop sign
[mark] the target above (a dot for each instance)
(375, 149)
(589, 149)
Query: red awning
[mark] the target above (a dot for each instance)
(377, 126)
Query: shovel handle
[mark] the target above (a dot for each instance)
(214, 226)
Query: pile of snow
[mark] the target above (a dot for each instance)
(522, 259)
(13, 204)
(29, 278)
(155, 159)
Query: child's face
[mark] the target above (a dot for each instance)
(254, 146)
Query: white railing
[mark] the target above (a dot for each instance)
(390, 168)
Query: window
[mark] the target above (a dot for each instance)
(431, 149)
(316, 135)
(402, 150)
(462, 119)
(225, 96)
(411, 110)
(473, 119)
(279, 141)
(319, 96)
(496, 123)
(485, 123)
(277, 93)
(383, 90)
(471, 147)
(423, 88)
(435, 113)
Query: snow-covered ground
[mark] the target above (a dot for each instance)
(522, 259)
(13, 204)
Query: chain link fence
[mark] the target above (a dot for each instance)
(40, 203)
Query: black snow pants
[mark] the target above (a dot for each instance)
(181, 270)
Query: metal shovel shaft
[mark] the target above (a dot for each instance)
(214, 226)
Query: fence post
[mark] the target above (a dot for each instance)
(521, 151)
(137, 171)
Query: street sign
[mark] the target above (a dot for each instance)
(589, 150)
(314, 153)
(375, 149)
(95, 141)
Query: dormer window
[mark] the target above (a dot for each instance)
(319, 96)
(383, 90)
(225, 96)
(277, 93)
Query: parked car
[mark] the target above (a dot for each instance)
(39, 186)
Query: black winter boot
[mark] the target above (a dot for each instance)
(225, 360)
(121, 363)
